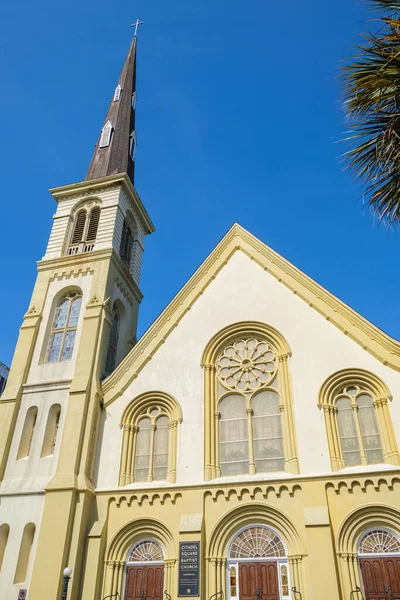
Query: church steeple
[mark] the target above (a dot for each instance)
(115, 148)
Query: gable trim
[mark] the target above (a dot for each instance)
(367, 335)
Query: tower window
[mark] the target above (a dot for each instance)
(134, 100)
(133, 144)
(50, 436)
(27, 433)
(105, 137)
(125, 250)
(113, 342)
(24, 552)
(117, 93)
(63, 332)
(84, 231)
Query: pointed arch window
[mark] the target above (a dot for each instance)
(63, 331)
(149, 444)
(359, 427)
(117, 93)
(111, 359)
(125, 250)
(134, 100)
(105, 137)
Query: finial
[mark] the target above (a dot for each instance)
(136, 25)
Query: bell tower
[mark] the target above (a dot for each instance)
(81, 322)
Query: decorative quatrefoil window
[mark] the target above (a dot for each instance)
(247, 365)
(379, 542)
(257, 542)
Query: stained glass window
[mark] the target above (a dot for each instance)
(62, 337)
(379, 542)
(151, 446)
(358, 428)
(257, 542)
(147, 551)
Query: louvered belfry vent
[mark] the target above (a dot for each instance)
(79, 229)
(85, 231)
(93, 225)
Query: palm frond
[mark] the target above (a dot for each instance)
(371, 82)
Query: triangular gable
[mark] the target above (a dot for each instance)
(372, 339)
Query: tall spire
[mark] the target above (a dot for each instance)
(115, 148)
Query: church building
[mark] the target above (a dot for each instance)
(245, 448)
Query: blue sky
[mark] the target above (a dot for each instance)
(238, 118)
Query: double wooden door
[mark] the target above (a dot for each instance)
(381, 578)
(144, 582)
(258, 580)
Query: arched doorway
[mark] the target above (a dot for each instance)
(379, 556)
(144, 578)
(257, 565)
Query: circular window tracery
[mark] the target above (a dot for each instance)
(379, 541)
(257, 542)
(246, 365)
(146, 551)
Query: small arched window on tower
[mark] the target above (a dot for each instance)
(63, 331)
(4, 533)
(24, 553)
(84, 231)
(27, 433)
(113, 342)
(134, 100)
(105, 137)
(133, 144)
(125, 250)
(50, 436)
(117, 93)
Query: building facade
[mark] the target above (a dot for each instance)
(245, 447)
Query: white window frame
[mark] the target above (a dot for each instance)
(117, 93)
(105, 137)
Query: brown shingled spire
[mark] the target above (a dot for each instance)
(113, 154)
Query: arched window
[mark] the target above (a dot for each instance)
(133, 144)
(105, 137)
(125, 250)
(146, 551)
(84, 231)
(359, 427)
(149, 444)
(50, 436)
(117, 93)
(24, 553)
(111, 359)
(151, 451)
(63, 331)
(27, 433)
(4, 532)
(247, 390)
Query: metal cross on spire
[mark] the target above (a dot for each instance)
(136, 25)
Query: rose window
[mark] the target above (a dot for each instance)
(247, 365)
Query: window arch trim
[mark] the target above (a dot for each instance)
(129, 424)
(331, 391)
(244, 330)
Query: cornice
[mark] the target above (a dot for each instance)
(367, 335)
(94, 186)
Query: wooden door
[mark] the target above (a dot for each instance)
(381, 578)
(144, 582)
(258, 580)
